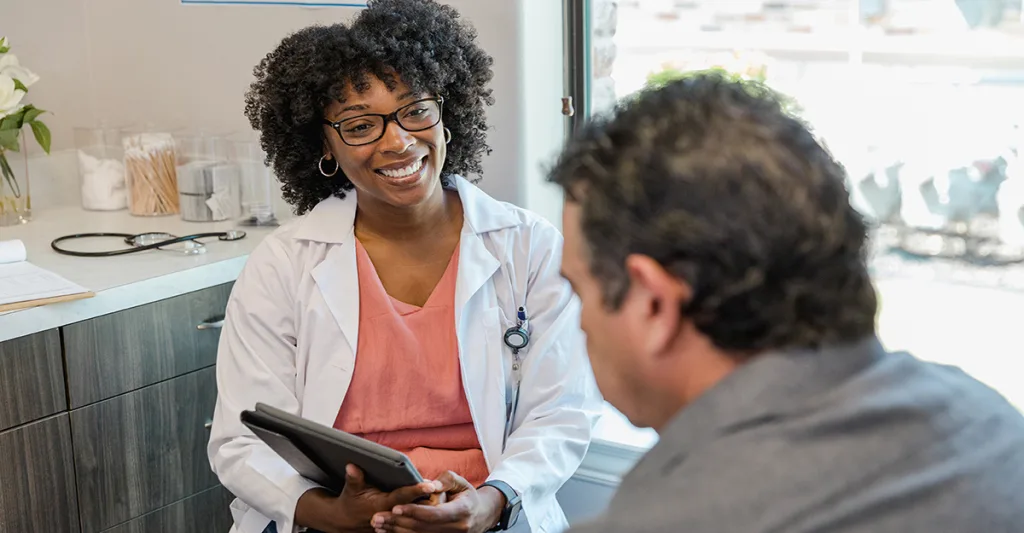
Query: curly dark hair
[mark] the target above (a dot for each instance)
(713, 179)
(421, 42)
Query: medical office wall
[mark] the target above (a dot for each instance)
(185, 64)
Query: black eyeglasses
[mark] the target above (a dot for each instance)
(418, 116)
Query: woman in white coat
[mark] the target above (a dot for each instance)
(383, 310)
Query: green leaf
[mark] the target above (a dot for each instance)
(19, 85)
(31, 113)
(42, 134)
(4, 49)
(9, 140)
(14, 121)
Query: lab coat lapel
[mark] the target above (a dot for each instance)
(476, 266)
(332, 223)
(338, 280)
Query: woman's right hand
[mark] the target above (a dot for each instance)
(352, 510)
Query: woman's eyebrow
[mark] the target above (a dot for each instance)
(364, 107)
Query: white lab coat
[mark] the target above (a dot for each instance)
(290, 336)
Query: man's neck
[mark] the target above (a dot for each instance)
(703, 372)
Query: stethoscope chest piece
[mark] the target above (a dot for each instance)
(188, 247)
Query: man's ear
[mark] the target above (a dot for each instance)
(657, 299)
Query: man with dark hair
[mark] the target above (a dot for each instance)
(727, 304)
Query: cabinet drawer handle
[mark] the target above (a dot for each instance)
(211, 324)
(208, 424)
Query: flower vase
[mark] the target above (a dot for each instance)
(15, 198)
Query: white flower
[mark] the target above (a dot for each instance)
(9, 66)
(10, 98)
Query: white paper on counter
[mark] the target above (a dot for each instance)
(21, 281)
(12, 251)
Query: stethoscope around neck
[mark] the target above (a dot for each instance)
(140, 242)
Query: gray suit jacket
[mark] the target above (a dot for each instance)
(850, 439)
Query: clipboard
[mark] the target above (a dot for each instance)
(24, 285)
(44, 301)
(321, 453)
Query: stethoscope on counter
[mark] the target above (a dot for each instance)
(141, 242)
(517, 338)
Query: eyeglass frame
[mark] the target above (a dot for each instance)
(390, 117)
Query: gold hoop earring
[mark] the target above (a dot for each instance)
(324, 172)
(447, 135)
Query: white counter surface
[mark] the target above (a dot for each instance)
(125, 281)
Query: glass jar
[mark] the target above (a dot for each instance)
(151, 174)
(101, 168)
(257, 181)
(208, 180)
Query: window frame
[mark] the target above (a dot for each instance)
(578, 68)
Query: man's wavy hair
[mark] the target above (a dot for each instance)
(713, 179)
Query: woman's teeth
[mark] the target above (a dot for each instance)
(403, 172)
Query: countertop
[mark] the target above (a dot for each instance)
(125, 281)
(131, 280)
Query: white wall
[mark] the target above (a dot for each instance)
(541, 69)
(188, 66)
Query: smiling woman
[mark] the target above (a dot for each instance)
(401, 260)
(393, 166)
(424, 47)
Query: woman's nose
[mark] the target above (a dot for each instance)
(396, 139)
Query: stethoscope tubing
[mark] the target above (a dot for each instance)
(129, 240)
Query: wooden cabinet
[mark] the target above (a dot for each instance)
(206, 512)
(120, 443)
(31, 379)
(37, 478)
(143, 450)
(130, 349)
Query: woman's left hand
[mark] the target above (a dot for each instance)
(467, 510)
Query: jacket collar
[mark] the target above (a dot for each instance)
(333, 219)
(768, 387)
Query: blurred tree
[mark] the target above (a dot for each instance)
(755, 75)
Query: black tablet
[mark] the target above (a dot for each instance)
(321, 453)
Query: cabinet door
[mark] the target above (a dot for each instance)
(144, 450)
(37, 478)
(206, 512)
(31, 379)
(128, 350)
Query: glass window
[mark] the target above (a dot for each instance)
(921, 100)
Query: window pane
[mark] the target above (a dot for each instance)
(922, 100)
